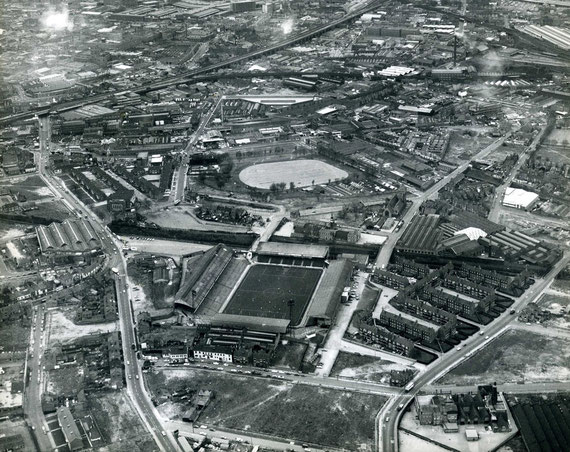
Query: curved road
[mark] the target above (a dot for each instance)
(112, 247)
(390, 415)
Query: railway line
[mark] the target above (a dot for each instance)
(187, 77)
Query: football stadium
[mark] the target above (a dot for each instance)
(279, 285)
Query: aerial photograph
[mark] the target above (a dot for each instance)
(285, 225)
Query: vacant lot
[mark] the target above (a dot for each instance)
(360, 367)
(14, 336)
(290, 356)
(119, 423)
(302, 173)
(32, 187)
(164, 247)
(555, 302)
(62, 329)
(266, 290)
(515, 356)
(183, 217)
(296, 412)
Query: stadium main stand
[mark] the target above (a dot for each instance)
(278, 249)
(324, 305)
(199, 280)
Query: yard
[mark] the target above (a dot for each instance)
(295, 412)
(516, 356)
(62, 329)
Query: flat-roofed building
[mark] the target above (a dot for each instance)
(519, 199)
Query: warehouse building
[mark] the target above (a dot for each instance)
(519, 199)
(72, 237)
(422, 236)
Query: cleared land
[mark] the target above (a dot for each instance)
(360, 367)
(290, 356)
(295, 412)
(32, 187)
(302, 173)
(165, 247)
(62, 329)
(266, 289)
(119, 423)
(513, 357)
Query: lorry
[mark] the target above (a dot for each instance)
(409, 387)
(115, 270)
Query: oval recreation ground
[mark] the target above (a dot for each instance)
(302, 173)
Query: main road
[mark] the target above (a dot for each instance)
(112, 247)
(179, 184)
(388, 246)
(390, 414)
(34, 381)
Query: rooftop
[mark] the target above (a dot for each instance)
(293, 249)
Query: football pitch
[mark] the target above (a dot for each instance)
(266, 289)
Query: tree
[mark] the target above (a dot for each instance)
(291, 186)
(281, 186)
(273, 187)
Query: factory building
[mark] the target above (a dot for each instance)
(72, 237)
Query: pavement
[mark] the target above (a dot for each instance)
(32, 399)
(336, 332)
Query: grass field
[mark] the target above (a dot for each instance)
(302, 173)
(516, 356)
(266, 289)
(295, 412)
